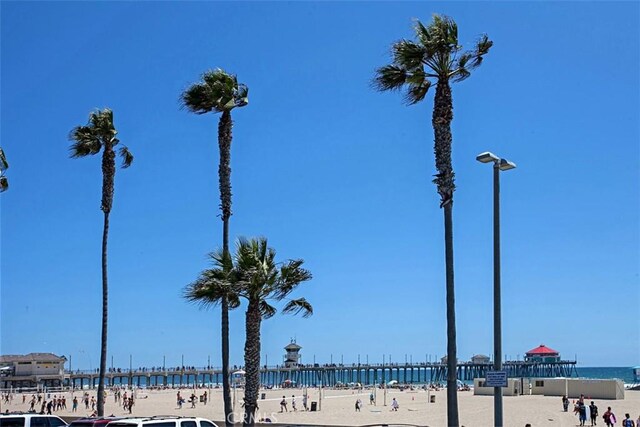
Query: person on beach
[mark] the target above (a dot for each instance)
(582, 412)
(394, 405)
(628, 422)
(358, 405)
(372, 399)
(193, 399)
(609, 417)
(304, 401)
(594, 413)
(283, 405)
(293, 403)
(74, 406)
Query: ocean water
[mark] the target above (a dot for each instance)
(624, 374)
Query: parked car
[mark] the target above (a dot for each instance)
(93, 421)
(30, 420)
(163, 421)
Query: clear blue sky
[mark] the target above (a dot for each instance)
(330, 171)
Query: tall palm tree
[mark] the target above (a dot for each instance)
(437, 57)
(4, 183)
(220, 92)
(254, 275)
(100, 134)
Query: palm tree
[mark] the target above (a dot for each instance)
(261, 280)
(4, 183)
(219, 92)
(100, 134)
(437, 57)
(253, 275)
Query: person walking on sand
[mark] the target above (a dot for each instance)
(628, 422)
(582, 412)
(304, 401)
(293, 403)
(609, 417)
(594, 413)
(358, 405)
(371, 399)
(283, 405)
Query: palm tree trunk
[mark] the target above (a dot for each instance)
(108, 174)
(441, 120)
(252, 363)
(105, 302)
(452, 361)
(224, 175)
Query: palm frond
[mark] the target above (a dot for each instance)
(299, 305)
(85, 142)
(209, 289)
(267, 310)
(4, 165)
(127, 157)
(416, 92)
(482, 48)
(408, 55)
(389, 77)
(198, 99)
(291, 275)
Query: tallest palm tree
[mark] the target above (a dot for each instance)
(219, 92)
(100, 134)
(437, 57)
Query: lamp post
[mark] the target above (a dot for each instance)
(499, 164)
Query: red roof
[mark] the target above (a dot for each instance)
(542, 350)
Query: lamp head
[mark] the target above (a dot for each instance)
(505, 165)
(487, 157)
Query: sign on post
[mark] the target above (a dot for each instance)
(496, 379)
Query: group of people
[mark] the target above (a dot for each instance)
(283, 403)
(580, 408)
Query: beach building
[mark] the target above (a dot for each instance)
(292, 357)
(32, 370)
(480, 359)
(542, 354)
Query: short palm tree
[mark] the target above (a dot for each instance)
(436, 57)
(262, 280)
(4, 183)
(220, 92)
(100, 134)
(254, 275)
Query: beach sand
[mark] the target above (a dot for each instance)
(338, 407)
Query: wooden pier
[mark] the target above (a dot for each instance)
(330, 375)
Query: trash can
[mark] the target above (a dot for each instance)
(433, 399)
(263, 396)
(314, 406)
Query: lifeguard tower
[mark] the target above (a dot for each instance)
(293, 355)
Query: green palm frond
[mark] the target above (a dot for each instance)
(127, 157)
(299, 305)
(217, 92)
(86, 142)
(4, 165)
(209, 289)
(267, 310)
(390, 77)
(408, 55)
(291, 275)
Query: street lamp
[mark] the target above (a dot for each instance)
(499, 164)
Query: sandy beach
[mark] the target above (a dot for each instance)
(338, 407)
